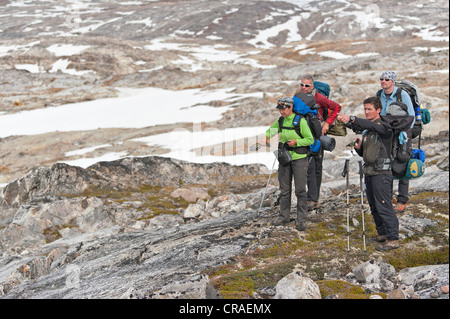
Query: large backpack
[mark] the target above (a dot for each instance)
(422, 115)
(305, 106)
(404, 163)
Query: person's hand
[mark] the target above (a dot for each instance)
(325, 128)
(265, 141)
(291, 143)
(357, 144)
(343, 118)
(262, 142)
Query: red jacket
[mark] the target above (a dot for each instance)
(325, 103)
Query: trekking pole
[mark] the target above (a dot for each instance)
(265, 190)
(418, 143)
(362, 202)
(345, 173)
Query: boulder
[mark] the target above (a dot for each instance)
(196, 287)
(426, 279)
(190, 194)
(297, 286)
(375, 274)
(193, 211)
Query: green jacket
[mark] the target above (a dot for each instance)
(287, 135)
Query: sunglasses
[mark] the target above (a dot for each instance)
(305, 85)
(382, 79)
(283, 105)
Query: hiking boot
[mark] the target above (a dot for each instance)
(301, 227)
(399, 208)
(280, 221)
(389, 245)
(379, 239)
(312, 205)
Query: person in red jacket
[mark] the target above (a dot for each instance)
(327, 113)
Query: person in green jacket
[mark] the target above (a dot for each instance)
(298, 147)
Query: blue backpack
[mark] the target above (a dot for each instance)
(323, 88)
(305, 106)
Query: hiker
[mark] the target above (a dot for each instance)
(327, 113)
(373, 147)
(298, 148)
(387, 96)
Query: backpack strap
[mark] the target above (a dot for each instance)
(280, 123)
(398, 94)
(296, 122)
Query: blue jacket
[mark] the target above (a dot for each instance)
(405, 99)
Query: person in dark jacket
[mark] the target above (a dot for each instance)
(374, 147)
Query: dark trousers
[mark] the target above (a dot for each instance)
(403, 186)
(314, 180)
(379, 196)
(297, 169)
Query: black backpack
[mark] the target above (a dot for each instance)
(422, 115)
(401, 150)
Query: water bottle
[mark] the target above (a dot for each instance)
(418, 114)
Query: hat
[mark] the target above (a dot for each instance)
(284, 102)
(389, 75)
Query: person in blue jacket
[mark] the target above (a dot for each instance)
(388, 95)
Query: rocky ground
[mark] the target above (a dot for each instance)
(149, 227)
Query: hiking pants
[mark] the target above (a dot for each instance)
(297, 169)
(314, 180)
(403, 186)
(379, 196)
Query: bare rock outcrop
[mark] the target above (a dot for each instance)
(83, 235)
